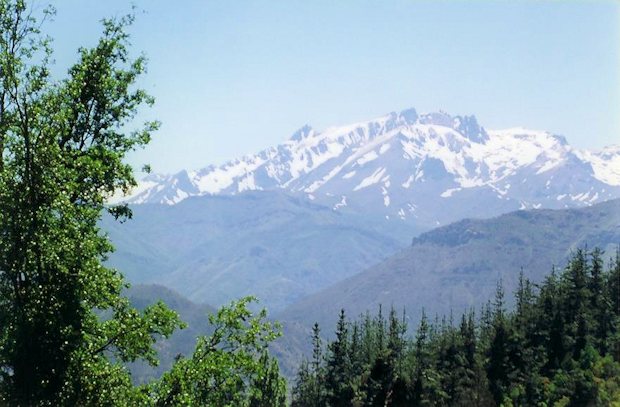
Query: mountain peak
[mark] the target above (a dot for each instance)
(303, 132)
(439, 118)
(408, 116)
(404, 164)
(469, 127)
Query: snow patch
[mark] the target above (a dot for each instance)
(407, 183)
(371, 180)
(366, 158)
(341, 204)
(448, 192)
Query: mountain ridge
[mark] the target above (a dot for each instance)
(452, 269)
(278, 247)
(404, 165)
(496, 249)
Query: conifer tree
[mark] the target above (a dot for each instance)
(535, 354)
(317, 373)
(301, 393)
(421, 387)
(338, 381)
(497, 354)
(613, 289)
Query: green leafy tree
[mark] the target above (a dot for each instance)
(231, 367)
(66, 331)
(62, 148)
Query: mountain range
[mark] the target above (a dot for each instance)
(449, 269)
(421, 169)
(213, 249)
(321, 207)
(454, 268)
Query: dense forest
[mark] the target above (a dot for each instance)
(558, 346)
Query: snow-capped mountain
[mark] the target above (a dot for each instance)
(429, 169)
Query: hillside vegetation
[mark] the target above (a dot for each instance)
(559, 346)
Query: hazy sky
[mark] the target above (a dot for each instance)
(234, 77)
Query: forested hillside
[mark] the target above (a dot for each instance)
(559, 345)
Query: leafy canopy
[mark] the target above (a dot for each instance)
(66, 332)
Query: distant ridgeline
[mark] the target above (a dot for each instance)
(457, 266)
(296, 218)
(559, 346)
(418, 169)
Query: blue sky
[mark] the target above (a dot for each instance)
(234, 77)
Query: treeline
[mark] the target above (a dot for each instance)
(559, 346)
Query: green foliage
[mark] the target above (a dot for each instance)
(66, 332)
(338, 388)
(309, 388)
(231, 367)
(63, 144)
(558, 347)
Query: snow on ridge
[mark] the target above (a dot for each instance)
(605, 163)
(338, 161)
(341, 204)
(448, 192)
(354, 158)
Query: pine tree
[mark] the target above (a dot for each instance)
(498, 358)
(471, 384)
(449, 363)
(396, 342)
(317, 386)
(600, 304)
(338, 380)
(421, 387)
(301, 393)
(531, 355)
(613, 282)
(358, 362)
(613, 290)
